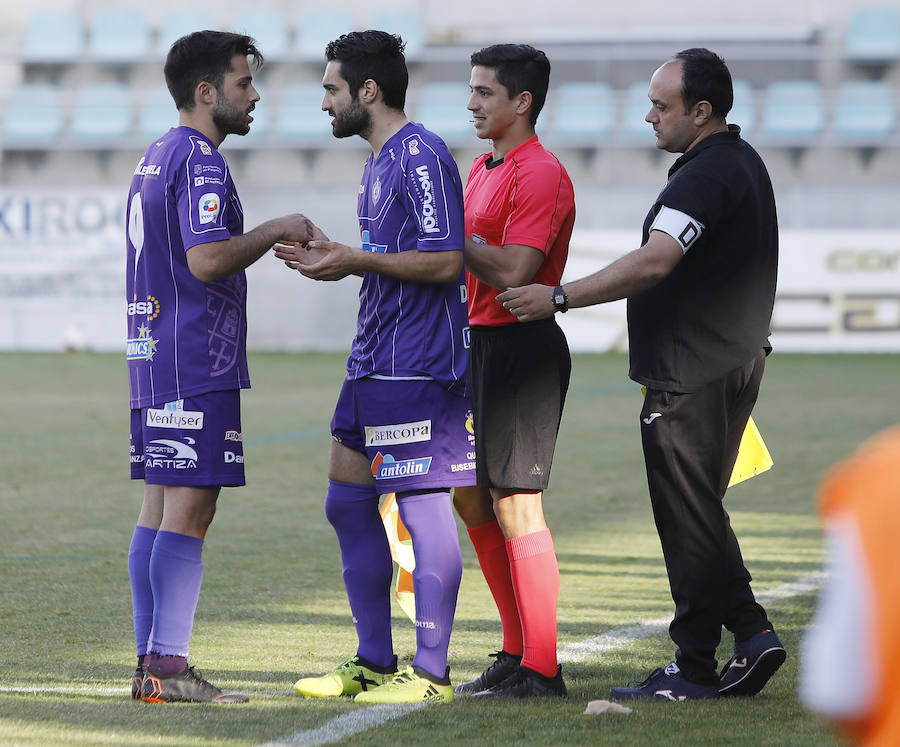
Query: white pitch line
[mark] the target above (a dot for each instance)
(592, 647)
(348, 724)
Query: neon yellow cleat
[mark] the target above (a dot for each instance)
(409, 686)
(354, 676)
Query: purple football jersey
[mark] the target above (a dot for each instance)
(185, 337)
(410, 198)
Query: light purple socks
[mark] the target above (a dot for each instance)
(176, 573)
(429, 519)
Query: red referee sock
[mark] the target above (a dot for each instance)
(490, 547)
(535, 578)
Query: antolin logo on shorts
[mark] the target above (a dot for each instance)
(429, 214)
(384, 467)
(400, 433)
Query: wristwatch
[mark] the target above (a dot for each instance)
(560, 300)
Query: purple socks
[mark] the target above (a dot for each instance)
(429, 519)
(141, 591)
(176, 573)
(352, 510)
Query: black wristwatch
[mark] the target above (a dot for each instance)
(560, 299)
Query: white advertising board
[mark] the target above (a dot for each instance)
(62, 285)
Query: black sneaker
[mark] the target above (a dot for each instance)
(137, 679)
(526, 683)
(185, 687)
(754, 662)
(505, 665)
(665, 684)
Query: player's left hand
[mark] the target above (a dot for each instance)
(528, 302)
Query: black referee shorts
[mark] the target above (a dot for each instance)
(519, 376)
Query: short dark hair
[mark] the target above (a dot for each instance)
(375, 55)
(705, 77)
(519, 67)
(204, 56)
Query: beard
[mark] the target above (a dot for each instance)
(354, 120)
(229, 119)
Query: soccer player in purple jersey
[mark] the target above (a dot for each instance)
(402, 423)
(186, 349)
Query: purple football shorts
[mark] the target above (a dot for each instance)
(195, 441)
(415, 433)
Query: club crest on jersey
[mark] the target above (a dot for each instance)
(208, 206)
(414, 147)
(204, 148)
(376, 191)
(142, 347)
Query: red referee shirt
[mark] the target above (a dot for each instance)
(527, 198)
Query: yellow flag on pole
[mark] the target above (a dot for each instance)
(753, 456)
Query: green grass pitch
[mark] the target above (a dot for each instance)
(273, 605)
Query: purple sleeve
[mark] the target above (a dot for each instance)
(434, 195)
(202, 195)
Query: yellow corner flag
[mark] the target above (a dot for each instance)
(753, 456)
(402, 553)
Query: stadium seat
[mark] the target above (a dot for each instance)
(156, 113)
(743, 111)
(34, 116)
(873, 36)
(582, 112)
(53, 37)
(635, 107)
(268, 27)
(179, 22)
(102, 115)
(794, 111)
(119, 36)
(408, 24)
(298, 114)
(316, 29)
(441, 107)
(865, 111)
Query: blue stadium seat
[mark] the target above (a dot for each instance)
(794, 110)
(584, 112)
(873, 36)
(865, 111)
(743, 111)
(119, 35)
(53, 37)
(635, 107)
(102, 114)
(298, 114)
(34, 116)
(180, 22)
(316, 29)
(441, 107)
(268, 27)
(156, 113)
(408, 24)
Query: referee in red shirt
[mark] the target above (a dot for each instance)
(520, 209)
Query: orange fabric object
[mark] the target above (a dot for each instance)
(866, 488)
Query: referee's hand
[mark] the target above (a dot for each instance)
(528, 302)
